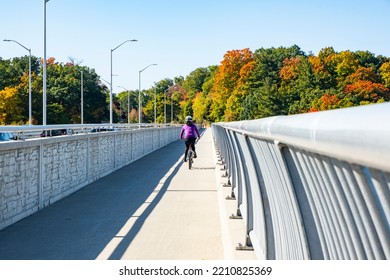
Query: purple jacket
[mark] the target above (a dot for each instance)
(189, 131)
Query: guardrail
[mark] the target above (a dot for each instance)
(312, 186)
(25, 132)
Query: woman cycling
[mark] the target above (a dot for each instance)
(188, 133)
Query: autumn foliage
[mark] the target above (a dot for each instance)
(245, 85)
(282, 80)
(230, 75)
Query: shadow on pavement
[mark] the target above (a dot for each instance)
(80, 226)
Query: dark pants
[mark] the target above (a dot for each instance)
(189, 142)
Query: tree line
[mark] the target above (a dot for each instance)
(245, 85)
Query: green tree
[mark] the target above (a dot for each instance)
(64, 94)
(162, 96)
(128, 99)
(262, 87)
(193, 83)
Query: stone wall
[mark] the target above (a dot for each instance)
(38, 172)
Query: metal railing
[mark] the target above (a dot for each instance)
(312, 186)
(25, 132)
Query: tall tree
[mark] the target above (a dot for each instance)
(10, 111)
(193, 83)
(264, 81)
(384, 71)
(64, 94)
(226, 80)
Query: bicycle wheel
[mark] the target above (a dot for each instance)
(190, 156)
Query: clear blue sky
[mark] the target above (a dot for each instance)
(182, 35)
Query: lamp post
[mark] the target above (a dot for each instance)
(44, 62)
(120, 111)
(172, 108)
(128, 104)
(133, 40)
(82, 96)
(139, 93)
(172, 102)
(165, 105)
(29, 79)
(155, 113)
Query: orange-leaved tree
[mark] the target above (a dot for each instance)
(364, 92)
(234, 104)
(325, 102)
(226, 80)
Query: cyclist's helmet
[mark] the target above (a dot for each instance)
(188, 119)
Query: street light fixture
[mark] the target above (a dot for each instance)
(29, 79)
(128, 104)
(139, 93)
(133, 40)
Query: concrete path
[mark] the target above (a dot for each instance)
(153, 209)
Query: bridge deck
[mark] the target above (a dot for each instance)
(154, 208)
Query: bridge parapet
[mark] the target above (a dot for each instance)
(312, 186)
(38, 172)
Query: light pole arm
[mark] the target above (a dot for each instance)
(105, 81)
(133, 40)
(123, 88)
(148, 67)
(29, 79)
(6, 40)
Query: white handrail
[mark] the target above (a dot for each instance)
(357, 134)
